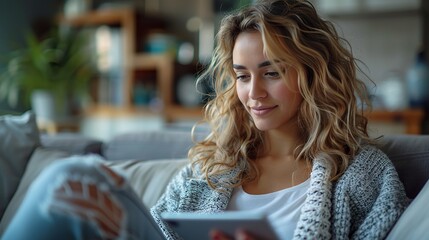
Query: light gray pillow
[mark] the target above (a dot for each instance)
(19, 138)
(149, 178)
(40, 160)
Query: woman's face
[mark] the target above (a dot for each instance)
(271, 100)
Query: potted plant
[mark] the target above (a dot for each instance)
(57, 67)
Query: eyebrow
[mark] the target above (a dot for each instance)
(262, 64)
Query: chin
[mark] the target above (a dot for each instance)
(263, 126)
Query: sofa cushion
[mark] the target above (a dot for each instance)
(149, 145)
(40, 159)
(149, 178)
(74, 143)
(19, 138)
(410, 155)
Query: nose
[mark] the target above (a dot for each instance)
(257, 88)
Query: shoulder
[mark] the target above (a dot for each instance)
(369, 158)
(369, 167)
(179, 189)
(369, 194)
(182, 177)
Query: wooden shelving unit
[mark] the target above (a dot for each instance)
(126, 19)
(163, 64)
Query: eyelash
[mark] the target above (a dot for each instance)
(273, 74)
(241, 77)
(270, 74)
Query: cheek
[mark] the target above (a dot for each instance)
(287, 95)
(242, 93)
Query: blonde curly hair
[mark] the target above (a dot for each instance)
(330, 117)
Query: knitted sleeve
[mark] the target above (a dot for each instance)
(169, 201)
(369, 198)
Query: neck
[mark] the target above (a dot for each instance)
(278, 144)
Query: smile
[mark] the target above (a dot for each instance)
(261, 111)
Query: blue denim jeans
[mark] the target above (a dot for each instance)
(81, 198)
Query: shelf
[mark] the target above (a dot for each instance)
(53, 127)
(115, 111)
(164, 66)
(134, 62)
(100, 17)
(150, 61)
(412, 118)
(177, 112)
(170, 114)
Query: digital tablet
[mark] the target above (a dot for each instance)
(198, 225)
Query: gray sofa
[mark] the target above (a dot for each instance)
(409, 153)
(149, 159)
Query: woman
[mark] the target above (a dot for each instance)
(288, 139)
(288, 136)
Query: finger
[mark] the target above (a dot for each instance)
(109, 203)
(114, 177)
(75, 186)
(98, 204)
(108, 224)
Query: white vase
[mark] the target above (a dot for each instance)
(393, 93)
(46, 107)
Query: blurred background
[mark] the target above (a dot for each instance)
(101, 67)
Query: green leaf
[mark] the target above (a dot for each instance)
(58, 63)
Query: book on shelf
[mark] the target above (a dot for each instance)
(110, 63)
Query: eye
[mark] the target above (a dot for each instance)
(272, 74)
(242, 77)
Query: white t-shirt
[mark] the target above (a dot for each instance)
(283, 207)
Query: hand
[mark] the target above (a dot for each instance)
(239, 235)
(88, 201)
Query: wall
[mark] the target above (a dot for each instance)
(386, 40)
(17, 17)
(383, 43)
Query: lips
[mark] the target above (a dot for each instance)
(262, 110)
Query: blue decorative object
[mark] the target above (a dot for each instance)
(418, 82)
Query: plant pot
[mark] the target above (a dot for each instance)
(47, 107)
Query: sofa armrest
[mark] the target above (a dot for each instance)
(410, 156)
(72, 143)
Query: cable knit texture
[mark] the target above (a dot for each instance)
(364, 203)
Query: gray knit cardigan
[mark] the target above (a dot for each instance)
(364, 203)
